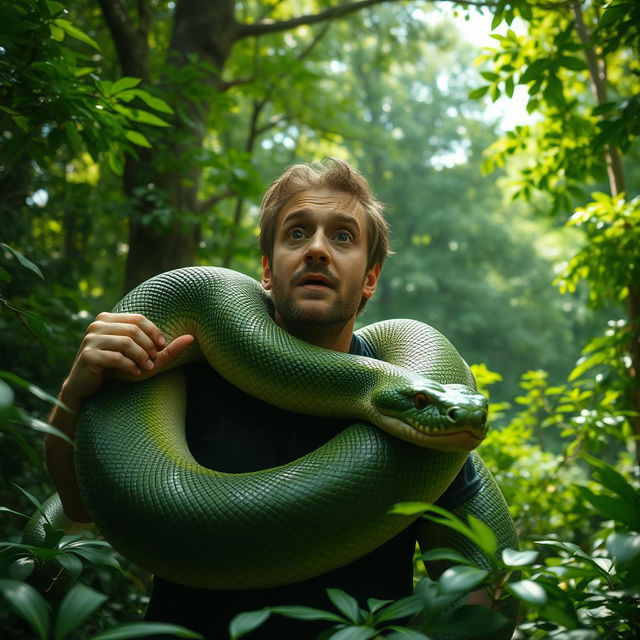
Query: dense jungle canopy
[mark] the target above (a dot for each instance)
(139, 136)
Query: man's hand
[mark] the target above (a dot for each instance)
(126, 345)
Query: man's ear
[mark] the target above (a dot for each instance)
(370, 281)
(266, 274)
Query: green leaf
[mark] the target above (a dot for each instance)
(71, 564)
(306, 613)
(246, 622)
(553, 92)
(139, 115)
(94, 556)
(52, 536)
(73, 137)
(116, 162)
(15, 513)
(446, 554)
(74, 32)
(142, 629)
(485, 538)
(56, 33)
(354, 633)
(28, 604)
(534, 70)
(605, 107)
(612, 480)
(30, 497)
(31, 388)
(22, 568)
(6, 395)
(401, 609)
(573, 63)
(480, 92)
(25, 263)
(75, 608)
(410, 508)
(43, 427)
(155, 103)
(461, 579)
(491, 76)
(615, 508)
(345, 604)
(374, 604)
(36, 325)
(509, 86)
(54, 8)
(513, 558)
(560, 609)
(623, 547)
(123, 84)
(528, 591)
(137, 138)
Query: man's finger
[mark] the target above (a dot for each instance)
(148, 327)
(173, 351)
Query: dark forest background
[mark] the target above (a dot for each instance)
(137, 137)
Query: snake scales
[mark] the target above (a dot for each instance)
(204, 528)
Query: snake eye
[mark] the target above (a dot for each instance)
(421, 400)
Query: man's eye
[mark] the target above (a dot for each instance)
(296, 234)
(344, 236)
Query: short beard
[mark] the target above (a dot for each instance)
(294, 316)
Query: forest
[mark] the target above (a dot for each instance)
(138, 137)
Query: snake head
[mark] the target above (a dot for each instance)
(449, 417)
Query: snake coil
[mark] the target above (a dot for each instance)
(204, 528)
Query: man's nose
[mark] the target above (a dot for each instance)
(317, 249)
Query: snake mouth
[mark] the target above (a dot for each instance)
(464, 438)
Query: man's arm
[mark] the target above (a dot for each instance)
(123, 344)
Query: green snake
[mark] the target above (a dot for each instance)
(197, 526)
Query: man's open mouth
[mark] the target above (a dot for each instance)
(315, 281)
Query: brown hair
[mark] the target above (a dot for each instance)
(331, 173)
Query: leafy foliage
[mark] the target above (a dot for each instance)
(388, 90)
(52, 98)
(566, 591)
(42, 583)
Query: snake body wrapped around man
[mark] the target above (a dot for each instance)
(204, 528)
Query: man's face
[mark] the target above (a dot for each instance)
(318, 272)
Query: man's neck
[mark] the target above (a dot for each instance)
(334, 337)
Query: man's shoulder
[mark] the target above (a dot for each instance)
(360, 347)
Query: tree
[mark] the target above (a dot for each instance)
(198, 45)
(579, 62)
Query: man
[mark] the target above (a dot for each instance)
(324, 240)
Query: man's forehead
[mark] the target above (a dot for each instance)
(324, 201)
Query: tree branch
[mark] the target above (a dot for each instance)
(212, 201)
(225, 85)
(316, 39)
(271, 124)
(264, 27)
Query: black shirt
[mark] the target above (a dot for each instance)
(264, 436)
